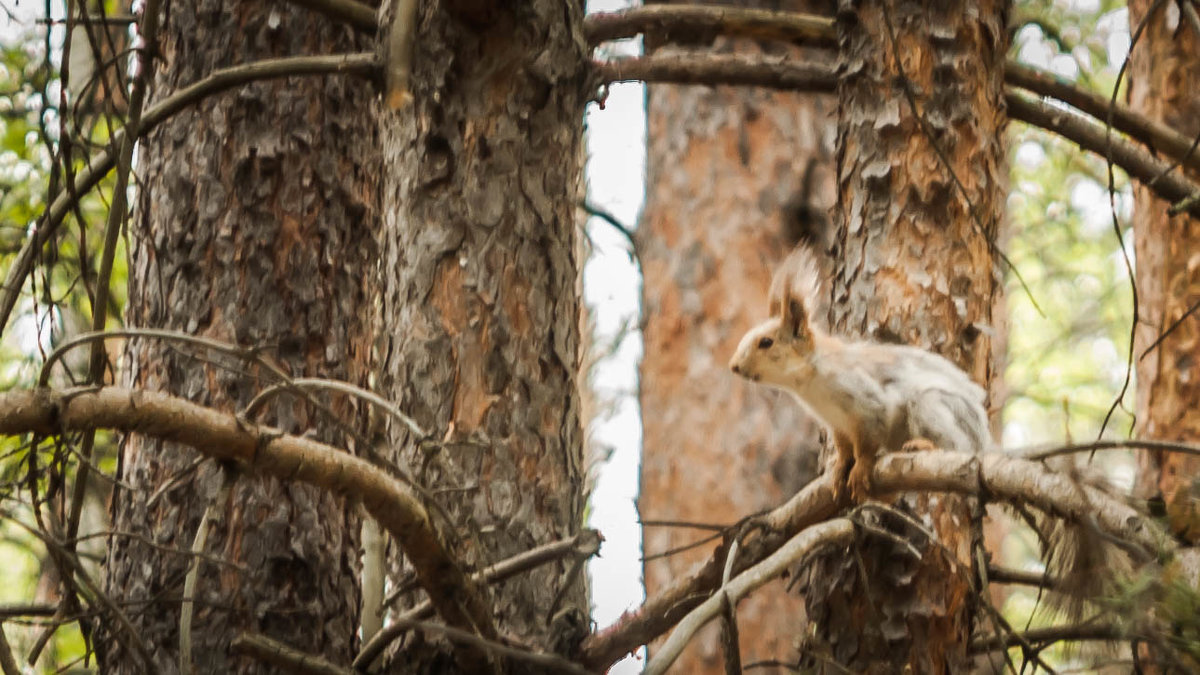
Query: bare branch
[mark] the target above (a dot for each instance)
(1089, 135)
(102, 163)
(263, 450)
(276, 653)
(806, 29)
(551, 662)
(714, 69)
(1155, 135)
(584, 545)
(1050, 634)
(8, 663)
(833, 532)
(1003, 477)
(356, 14)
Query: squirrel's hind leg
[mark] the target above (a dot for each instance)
(843, 463)
(859, 480)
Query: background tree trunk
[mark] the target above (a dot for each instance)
(254, 226)
(1165, 65)
(481, 297)
(915, 267)
(724, 164)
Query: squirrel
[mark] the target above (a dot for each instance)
(871, 396)
(875, 396)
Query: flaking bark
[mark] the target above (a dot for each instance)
(481, 302)
(915, 266)
(254, 225)
(1164, 68)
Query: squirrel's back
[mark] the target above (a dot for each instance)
(931, 397)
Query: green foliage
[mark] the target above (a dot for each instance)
(1067, 364)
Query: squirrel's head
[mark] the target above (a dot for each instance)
(772, 351)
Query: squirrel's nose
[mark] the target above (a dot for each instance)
(735, 369)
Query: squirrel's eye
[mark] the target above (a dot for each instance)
(765, 343)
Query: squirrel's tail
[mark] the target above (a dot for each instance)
(1084, 563)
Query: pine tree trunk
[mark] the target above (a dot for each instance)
(254, 226)
(724, 165)
(481, 300)
(1165, 66)
(915, 267)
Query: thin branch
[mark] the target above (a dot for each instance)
(551, 662)
(278, 654)
(75, 569)
(839, 531)
(1002, 477)
(318, 384)
(1090, 136)
(772, 72)
(603, 214)
(1008, 575)
(1129, 443)
(794, 27)
(8, 663)
(98, 361)
(1049, 635)
(263, 450)
(237, 351)
(356, 14)
(192, 578)
(583, 545)
(351, 64)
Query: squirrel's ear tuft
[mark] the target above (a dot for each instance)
(795, 319)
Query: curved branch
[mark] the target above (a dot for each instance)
(264, 450)
(352, 12)
(838, 531)
(1001, 476)
(99, 166)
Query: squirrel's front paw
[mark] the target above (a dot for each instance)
(859, 482)
(918, 445)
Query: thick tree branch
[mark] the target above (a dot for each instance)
(1153, 134)
(1152, 172)
(102, 163)
(819, 31)
(715, 69)
(760, 24)
(1002, 477)
(263, 450)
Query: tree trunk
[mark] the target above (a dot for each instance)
(1165, 65)
(724, 164)
(481, 300)
(915, 267)
(254, 226)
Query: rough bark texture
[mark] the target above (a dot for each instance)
(1165, 69)
(724, 164)
(914, 267)
(481, 303)
(254, 225)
